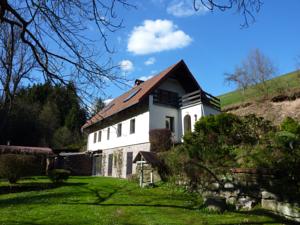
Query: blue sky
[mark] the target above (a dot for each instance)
(210, 43)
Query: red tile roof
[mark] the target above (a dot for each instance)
(143, 90)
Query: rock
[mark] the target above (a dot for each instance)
(246, 203)
(217, 204)
(215, 186)
(231, 200)
(229, 185)
(268, 195)
(285, 209)
(270, 204)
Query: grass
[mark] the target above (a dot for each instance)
(99, 200)
(276, 85)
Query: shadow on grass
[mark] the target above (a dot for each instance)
(41, 198)
(33, 186)
(102, 198)
(264, 212)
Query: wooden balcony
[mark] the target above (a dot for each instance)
(200, 96)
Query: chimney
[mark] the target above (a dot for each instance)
(138, 82)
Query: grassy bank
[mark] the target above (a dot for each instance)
(94, 200)
(275, 86)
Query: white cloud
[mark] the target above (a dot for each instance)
(126, 66)
(144, 78)
(156, 36)
(150, 61)
(184, 8)
(107, 101)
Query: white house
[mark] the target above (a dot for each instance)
(172, 99)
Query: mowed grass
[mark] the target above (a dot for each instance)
(99, 200)
(276, 85)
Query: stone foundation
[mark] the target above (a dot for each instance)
(119, 164)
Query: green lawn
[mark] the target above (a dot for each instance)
(95, 200)
(275, 85)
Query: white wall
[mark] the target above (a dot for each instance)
(158, 114)
(195, 110)
(141, 134)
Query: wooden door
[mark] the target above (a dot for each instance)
(110, 164)
(129, 163)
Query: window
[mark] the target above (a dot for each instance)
(132, 126)
(132, 95)
(108, 133)
(99, 135)
(195, 117)
(95, 137)
(170, 123)
(187, 123)
(119, 130)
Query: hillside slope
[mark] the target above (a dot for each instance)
(282, 100)
(278, 85)
(273, 111)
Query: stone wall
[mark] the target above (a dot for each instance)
(249, 188)
(120, 170)
(147, 170)
(288, 210)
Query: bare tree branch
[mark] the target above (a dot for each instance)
(16, 63)
(58, 36)
(247, 8)
(255, 70)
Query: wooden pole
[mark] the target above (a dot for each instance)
(151, 177)
(142, 175)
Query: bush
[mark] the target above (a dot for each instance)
(160, 140)
(174, 162)
(290, 125)
(59, 175)
(14, 166)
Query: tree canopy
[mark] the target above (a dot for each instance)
(45, 115)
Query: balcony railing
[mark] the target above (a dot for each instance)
(200, 96)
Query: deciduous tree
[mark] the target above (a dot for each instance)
(16, 64)
(255, 70)
(56, 32)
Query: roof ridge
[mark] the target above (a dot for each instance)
(146, 88)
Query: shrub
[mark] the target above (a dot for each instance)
(59, 175)
(160, 140)
(14, 166)
(290, 125)
(286, 139)
(174, 162)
